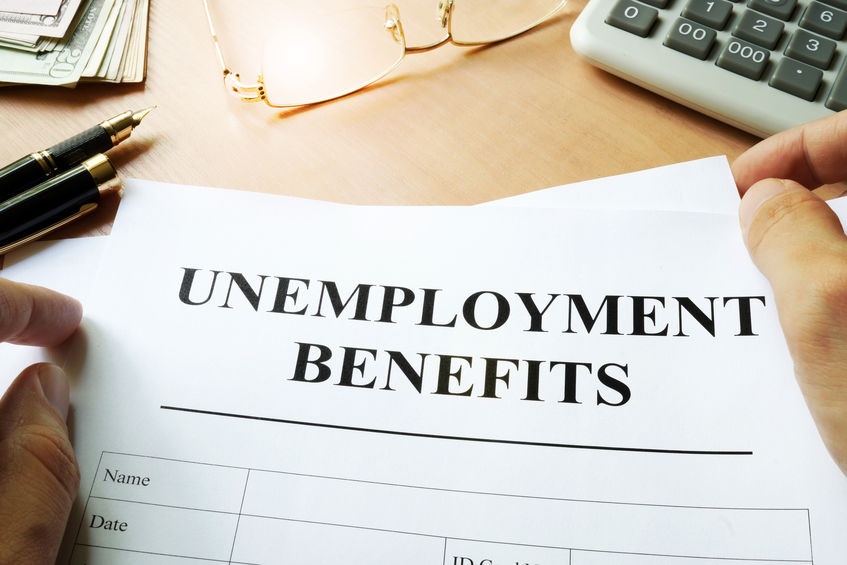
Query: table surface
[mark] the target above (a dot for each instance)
(455, 125)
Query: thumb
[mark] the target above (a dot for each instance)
(38, 472)
(786, 226)
(798, 243)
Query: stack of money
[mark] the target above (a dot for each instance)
(63, 42)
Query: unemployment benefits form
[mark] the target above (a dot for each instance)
(269, 381)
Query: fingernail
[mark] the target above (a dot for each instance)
(755, 196)
(54, 384)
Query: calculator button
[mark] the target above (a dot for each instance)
(759, 29)
(810, 48)
(713, 13)
(657, 3)
(797, 78)
(782, 9)
(633, 17)
(691, 38)
(824, 20)
(837, 99)
(840, 4)
(744, 59)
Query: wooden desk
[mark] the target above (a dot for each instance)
(451, 126)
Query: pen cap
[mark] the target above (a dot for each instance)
(103, 173)
(55, 202)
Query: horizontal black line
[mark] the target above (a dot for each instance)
(456, 438)
(158, 554)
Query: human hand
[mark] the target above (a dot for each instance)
(799, 245)
(38, 471)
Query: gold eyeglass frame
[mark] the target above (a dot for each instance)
(255, 92)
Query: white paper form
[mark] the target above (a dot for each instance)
(703, 185)
(439, 385)
(66, 266)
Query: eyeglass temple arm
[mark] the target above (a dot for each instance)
(247, 92)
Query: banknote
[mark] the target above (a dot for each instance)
(19, 40)
(99, 52)
(116, 56)
(118, 53)
(55, 25)
(125, 59)
(46, 7)
(63, 65)
(117, 44)
(135, 66)
(32, 43)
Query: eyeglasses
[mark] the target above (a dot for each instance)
(313, 60)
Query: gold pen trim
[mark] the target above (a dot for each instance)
(103, 172)
(120, 127)
(45, 161)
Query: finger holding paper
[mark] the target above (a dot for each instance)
(32, 315)
(799, 244)
(39, 477)
(812, 154)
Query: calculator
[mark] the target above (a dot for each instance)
(760, 65)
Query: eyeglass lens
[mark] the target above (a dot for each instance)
(485, 21)
(329, 56)
(324, 57)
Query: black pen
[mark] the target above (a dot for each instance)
(34, 212)
(40, 166)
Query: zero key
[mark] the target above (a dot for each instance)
(633, 17)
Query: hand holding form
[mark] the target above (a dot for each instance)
(799, 245)
(38, 472)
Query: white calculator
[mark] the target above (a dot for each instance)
(760, 65)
